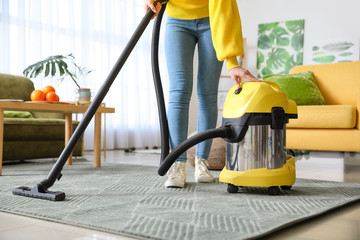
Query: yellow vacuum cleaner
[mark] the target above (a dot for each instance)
(254, 119)
(257, 158)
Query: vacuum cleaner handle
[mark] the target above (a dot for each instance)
(222, 132)
(55, 172)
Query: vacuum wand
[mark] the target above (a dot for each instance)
(55, 171)
(41, 189)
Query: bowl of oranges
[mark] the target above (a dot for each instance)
(47, 94)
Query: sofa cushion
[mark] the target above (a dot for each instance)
(339, 83)
(300, 87)
(36, 149)
(17, 114)
(326, 116)
(34, 129)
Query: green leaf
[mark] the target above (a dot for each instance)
(289, 64)
(293, 61)
(32, 72)
(319, 53)
(297, 42)
(264, 42)
(346, 54)
(324, 59)
(47, 69)
(282, 42)
(53, 69)
(338, 47)
(295, 26)
(315, 48)
(299, 58)
(266, 71)
(65, 64)
(61, 68)
(277, 58)
(26, 71)
(62, 71)
(262, 28)
(278, 36)
(57, 65)
(260, 59)
(35, 68)
(38, 71)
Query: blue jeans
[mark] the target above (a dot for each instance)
(181, 37)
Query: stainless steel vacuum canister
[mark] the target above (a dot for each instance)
(261, 147)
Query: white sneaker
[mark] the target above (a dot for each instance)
(176, 175)
(202, 173)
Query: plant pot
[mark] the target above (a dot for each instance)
(83, 95)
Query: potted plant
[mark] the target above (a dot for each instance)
(62, 67)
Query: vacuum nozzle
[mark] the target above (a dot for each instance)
(38, 192)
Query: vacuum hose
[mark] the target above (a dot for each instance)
(158, 87)
(222, 132)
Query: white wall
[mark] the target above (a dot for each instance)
(325, 21)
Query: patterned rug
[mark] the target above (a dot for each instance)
(131, 200)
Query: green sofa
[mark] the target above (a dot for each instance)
(31, 135)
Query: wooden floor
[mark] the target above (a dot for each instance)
(343, 223)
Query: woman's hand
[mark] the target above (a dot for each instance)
(238, 73)
(150, 4)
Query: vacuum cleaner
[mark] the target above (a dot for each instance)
(254, 127)
(265, 119)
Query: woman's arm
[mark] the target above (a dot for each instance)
(227, 37)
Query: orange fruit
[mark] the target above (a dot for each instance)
(48, 89)
(52, 97)
(37, 95)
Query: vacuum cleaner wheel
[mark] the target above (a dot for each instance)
(275, 190)
(232, 188)
(286, 187)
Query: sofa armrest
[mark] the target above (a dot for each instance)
(358, 111)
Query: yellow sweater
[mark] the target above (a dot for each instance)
(225, 24)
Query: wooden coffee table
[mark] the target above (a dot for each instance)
(66, 108)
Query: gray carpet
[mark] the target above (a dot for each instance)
(131, 200)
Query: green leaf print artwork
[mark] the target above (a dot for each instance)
(343, 51)
(280, 46)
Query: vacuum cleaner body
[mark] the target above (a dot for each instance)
(255, 152)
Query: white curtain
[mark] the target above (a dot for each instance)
(95, 31)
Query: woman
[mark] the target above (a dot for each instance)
(215, 27)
